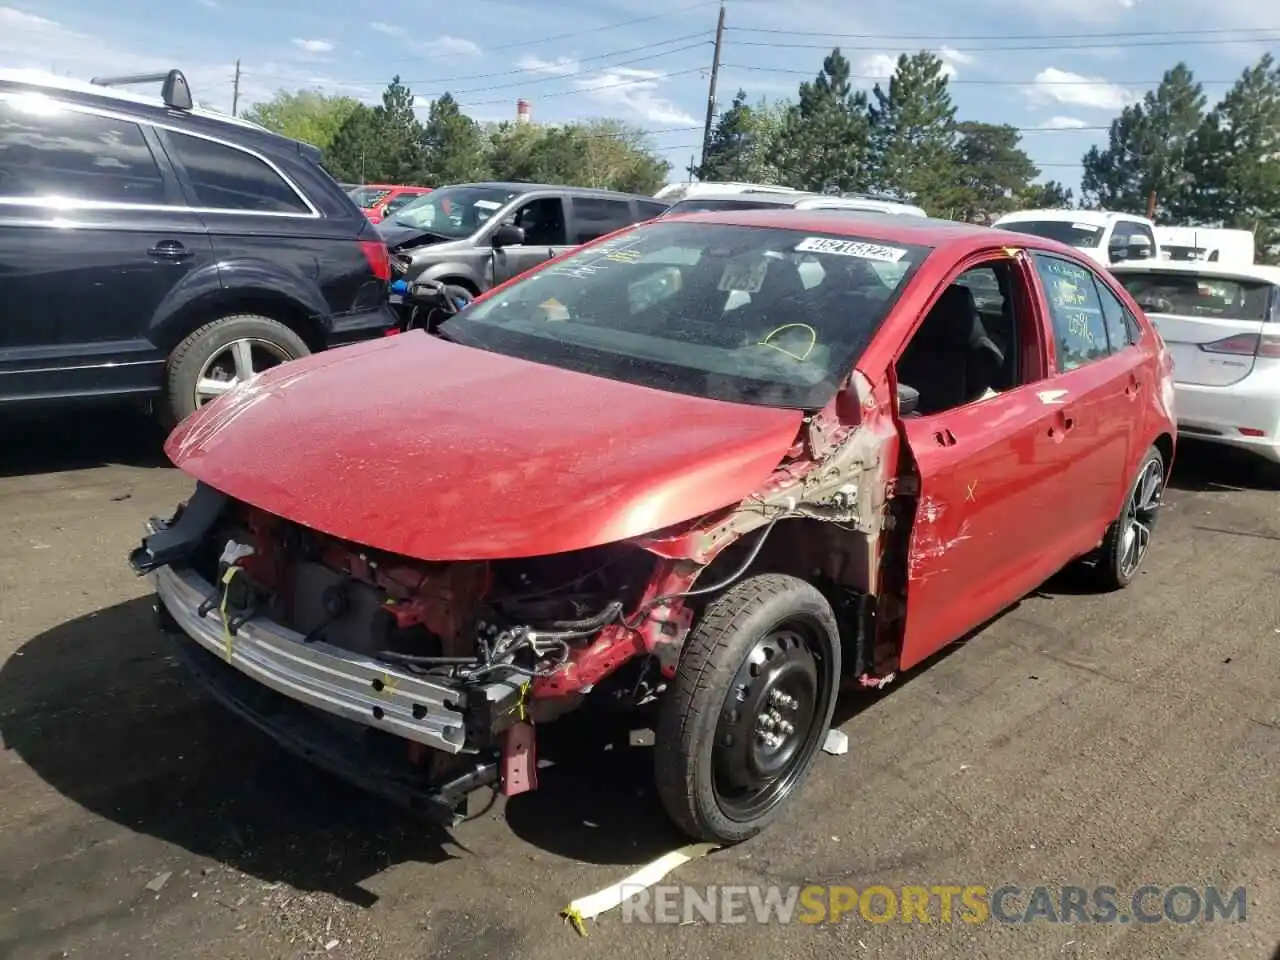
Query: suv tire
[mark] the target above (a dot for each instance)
(227, 349)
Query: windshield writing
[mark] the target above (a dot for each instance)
(746, 314)
(454, 212)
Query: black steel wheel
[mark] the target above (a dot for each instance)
(750, 706)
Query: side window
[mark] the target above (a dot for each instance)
(225, 178)
(78, 156)
(594, 217)
(968, 347)
(648, 209)
(1079, 328)
(1122, 327)
(542, 222)
(397, 202)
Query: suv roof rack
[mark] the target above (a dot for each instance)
(174, 90)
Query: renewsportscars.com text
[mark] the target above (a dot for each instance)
(937, 904)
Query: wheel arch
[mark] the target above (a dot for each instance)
(266, 303)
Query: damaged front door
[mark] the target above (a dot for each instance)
(983, 521)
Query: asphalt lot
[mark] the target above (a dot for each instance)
(1116, 740)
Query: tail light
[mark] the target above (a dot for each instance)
(1246, 345)
(375, 251)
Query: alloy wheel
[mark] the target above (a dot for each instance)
(1139, 517)
(235, 363)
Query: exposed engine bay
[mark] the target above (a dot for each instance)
(452, 663)
(465, 621)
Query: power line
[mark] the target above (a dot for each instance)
(608, 26)
(951, 81)
(988, 36)
(592, 89)
(879, 48)
(442, 81)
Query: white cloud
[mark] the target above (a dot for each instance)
(313, 46)
(1052, 85)
(951, 55)
(1063, 123)
(879, 67)
(38, 44)
(211, 4)
(559, 67)
(454, 46)
(634, 92)
(390, 29)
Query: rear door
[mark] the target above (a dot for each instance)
(94, 235)
(1211, 324)
(593, 217)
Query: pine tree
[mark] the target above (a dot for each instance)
(994, 171)
(1146, 151)
(1234, 157)
(402, 135)
(453, 145)
(914, 137)
(823, 137)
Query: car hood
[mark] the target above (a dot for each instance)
(399, 237)
(434, 450)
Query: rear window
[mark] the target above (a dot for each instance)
(1085, 235)
(702, 206)
(1199, 296)
(368, 196)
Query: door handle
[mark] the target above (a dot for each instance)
(169, 250)
(944, 438)
(1063, 423)
(1134, 386)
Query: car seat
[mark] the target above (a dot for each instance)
(951, 360)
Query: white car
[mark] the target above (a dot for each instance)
(1221, 323)
(1105, 236)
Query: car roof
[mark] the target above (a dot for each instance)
(878, 226)
(521, 186)
(1259, 272)
(1095, 218)
(153, 109)
(54, 83)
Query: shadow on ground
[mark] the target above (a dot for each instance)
(103, 712)
(76, 441)
(1206, 467)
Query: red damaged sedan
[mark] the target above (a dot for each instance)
(718, 467)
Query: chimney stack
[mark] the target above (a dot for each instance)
(522, 111)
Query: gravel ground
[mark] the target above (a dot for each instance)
(1116, 740)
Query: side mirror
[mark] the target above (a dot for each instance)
(508, 235)
(908, 400)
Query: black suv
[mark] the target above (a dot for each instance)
(473, 236)
(153, 250)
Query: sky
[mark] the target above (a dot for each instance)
(1059, 70)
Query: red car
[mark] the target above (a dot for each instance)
(380, 201)
(716, 467)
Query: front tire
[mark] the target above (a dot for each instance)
(222, 354)
(751, 703)
(1125, 545)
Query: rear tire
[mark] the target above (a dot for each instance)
(1125, 546)
(751, 703)
(221, 354)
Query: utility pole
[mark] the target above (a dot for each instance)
(711, 89)
(235, 90)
